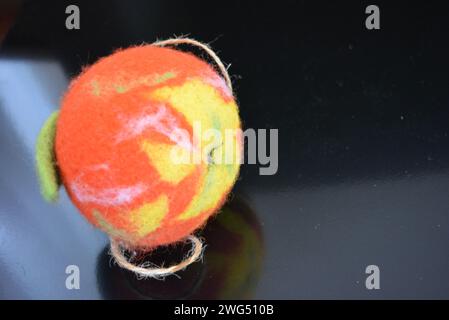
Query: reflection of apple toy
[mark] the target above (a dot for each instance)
(231, 268)
(235, 254)
(122, 141)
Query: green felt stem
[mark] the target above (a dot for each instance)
(46, 160)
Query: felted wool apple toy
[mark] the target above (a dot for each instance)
(116, 144)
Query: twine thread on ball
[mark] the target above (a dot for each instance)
(203, 46)
(195, 253)
(117, 251)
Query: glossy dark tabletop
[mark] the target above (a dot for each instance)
(363, 176)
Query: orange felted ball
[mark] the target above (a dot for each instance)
(115, 136)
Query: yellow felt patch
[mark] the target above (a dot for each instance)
(199, 101)
(202, 104)
(169, 169)
(216, 183)
(109, 228)
(148, 217)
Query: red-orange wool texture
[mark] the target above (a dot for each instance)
(110, 112)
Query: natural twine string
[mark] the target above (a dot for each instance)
(117, 251)
(205, 47)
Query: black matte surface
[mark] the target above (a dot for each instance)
(363, 119)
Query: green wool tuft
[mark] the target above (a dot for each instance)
(46, 161)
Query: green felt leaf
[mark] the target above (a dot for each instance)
(46, 160)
